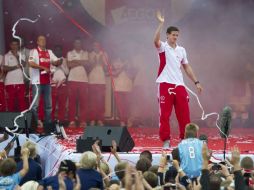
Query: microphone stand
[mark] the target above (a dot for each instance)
(225, 140)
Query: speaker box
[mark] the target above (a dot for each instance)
(7, 119)
(105, 134)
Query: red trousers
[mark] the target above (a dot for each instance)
(171, 96)
(78, 96)
(59, 99)
(96, 101)
(15, 97)
(123, 105)
(2, 98)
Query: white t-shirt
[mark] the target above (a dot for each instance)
(24, 57)
(171, 61)
(77, 74)
(60, 73)
(122, 82)
(14, 76)
(97, 75)
(34, 57)
(1, 68)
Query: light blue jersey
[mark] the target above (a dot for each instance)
(190, 152)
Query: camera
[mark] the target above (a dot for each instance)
(216, 167)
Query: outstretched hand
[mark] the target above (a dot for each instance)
(159, 16)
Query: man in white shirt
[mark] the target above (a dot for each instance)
(171, 91)
(97, 82)
(123, 87)
(14, 80)
(77, 60)
(41, 61)
(59, 86)
(2, 94)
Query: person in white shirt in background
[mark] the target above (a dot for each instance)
(123, 87)
(2, 93)
(14, 79)
(141, 86)
(77, 61)
(59, 86)
(41, 61)
(24, 52)
(97, 82)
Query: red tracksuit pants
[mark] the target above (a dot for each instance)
(96, 101)
(2, 98)
(59, 99)
(123, 105)
(171, 96)
(15, 97)
(78, 95)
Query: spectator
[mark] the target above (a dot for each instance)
(87, 172)
(66, 177)
(14, 80)
(97, 85)
(77, 61)
(190, 152)
(9, 179)
(35, 171)
(151, 178)
(120, 170)
(146, 154)
(143, 164)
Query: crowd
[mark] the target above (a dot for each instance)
(189, 166)
(69, 89)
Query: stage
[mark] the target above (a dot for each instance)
(52, 150)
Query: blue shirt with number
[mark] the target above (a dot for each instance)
(190, 152)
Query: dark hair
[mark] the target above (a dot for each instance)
(67, 166)
(151, 178)
(154, 169)
(247, 163)
(143, 164)
(120, 169)
(172, 29)
(146, 154)
(175, 155)
(8, 167)
(14, 40)
(215, 182)
(171, 175)
(191, 130)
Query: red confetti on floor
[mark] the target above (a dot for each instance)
(148, 139)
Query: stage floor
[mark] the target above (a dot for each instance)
(148, 139)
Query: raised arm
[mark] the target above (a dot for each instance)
(25, 155)
(160, 18)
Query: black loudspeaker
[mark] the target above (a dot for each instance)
(7, 119)
(105, 134)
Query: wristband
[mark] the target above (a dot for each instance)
(197, 82)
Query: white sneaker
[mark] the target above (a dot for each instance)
(166, 144)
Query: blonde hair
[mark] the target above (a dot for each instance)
(88, 160)
(31, 147)
(30, 185)
(191, 130)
